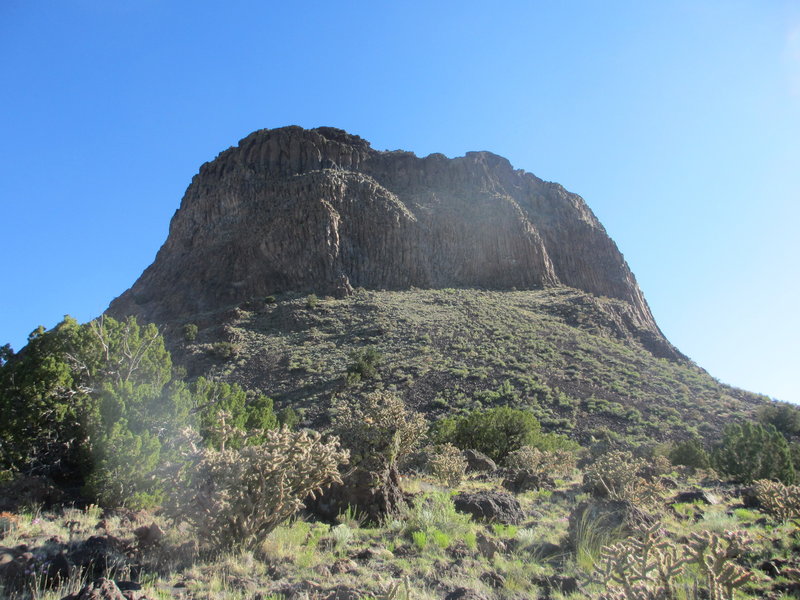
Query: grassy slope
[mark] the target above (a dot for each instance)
(566, 355)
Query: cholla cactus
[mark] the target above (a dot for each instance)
(447, 463)
(643, 567)
(377, 428)
(779, 500)
(615, 475)
(236, 497)
(541, 462)
(712, 553)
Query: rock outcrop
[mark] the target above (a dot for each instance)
(321, 211)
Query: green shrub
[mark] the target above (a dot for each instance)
(269, 300)
(497, 432)
(690, 453)
(93, 402)
(288, 417)
(750, 451)
(781, 415)
(224, 350)
(246, 412)
(364, 364)
(312, 301)
(190, 332)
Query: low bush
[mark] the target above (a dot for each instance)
(690, 453)
(497, 432)
(190, 332)
(751, 451)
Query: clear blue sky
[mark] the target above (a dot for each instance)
(677, 121)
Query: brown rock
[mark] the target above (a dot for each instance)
(321, 211)
(149, 535)
(100, 589)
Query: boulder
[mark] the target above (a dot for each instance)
(463, 593)
(522, 480)
(148, 535)
(478, 462)
(490, 507)
(99, 589)
(701, 496)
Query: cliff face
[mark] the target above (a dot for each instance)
(321, 211)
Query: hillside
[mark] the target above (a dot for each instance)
(578, 361)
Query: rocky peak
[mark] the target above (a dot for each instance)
(321, 211)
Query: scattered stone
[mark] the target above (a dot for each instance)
(343, 565)
(99, 589)
(565, 585)
(544, 550)
(489, 546)
(465, 594)
(478, 462)
(522, 480)
(490, 507)
(59, 568)
(103, 524)
(773, 567)
(99, 553)
(749, 497)
(668, 482)
(374, 554)
(493, 579)
(459, 550)
(702, 496)
(343, 592)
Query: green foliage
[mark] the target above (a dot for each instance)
(750, 451)
(245, 411)
(92, 402)
(190, 332)
(435, 511)
(364, 364)
(234, 497)
(497, 432)
(312, 301)
(224, 350)
(6, 354)
(782, 416)
(288, 417)
(690, 453)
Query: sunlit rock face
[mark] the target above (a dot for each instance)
(320, 211)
